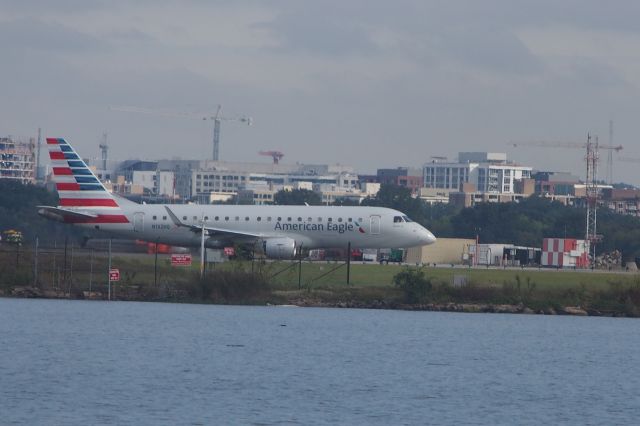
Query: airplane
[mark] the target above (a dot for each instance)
(280, 230)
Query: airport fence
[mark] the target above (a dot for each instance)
(59, 269)
(66, 269)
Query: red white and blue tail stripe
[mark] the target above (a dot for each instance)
(79, 189)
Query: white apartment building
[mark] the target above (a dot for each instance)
(487, 171)
(160, 182)
(265, 179)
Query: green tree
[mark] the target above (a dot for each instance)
(413, 283)
(297, 197)
(18, 211)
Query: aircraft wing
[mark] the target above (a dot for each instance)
(209, 229)
(57, 213)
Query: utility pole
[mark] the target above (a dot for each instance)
(35, 264)
(38, 176)
(202, 237)
(104, 151)
(109, 270)
(349, 263)
(610, 155)
(155, 266)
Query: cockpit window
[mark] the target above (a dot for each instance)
(406, 219)
(397, 219)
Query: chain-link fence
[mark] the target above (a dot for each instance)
(65, 269)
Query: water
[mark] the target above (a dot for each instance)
(74, 362)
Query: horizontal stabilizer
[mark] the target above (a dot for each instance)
(59, 214)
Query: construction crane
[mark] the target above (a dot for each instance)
(276, 155)
(592, 157)
(217, 118)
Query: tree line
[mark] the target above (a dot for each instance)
(524, 223)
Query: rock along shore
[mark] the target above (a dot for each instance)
(33, 292)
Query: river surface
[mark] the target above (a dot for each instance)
(87, 362)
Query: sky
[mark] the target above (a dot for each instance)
(368, 83)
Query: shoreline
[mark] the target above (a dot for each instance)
(313, 301)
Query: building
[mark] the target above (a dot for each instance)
(434, 196)
(502, 255)
(470, 199)
(444, 250)
(488, 172)
(264, 180)
(622, 201)
(17, 160)
(400, 176)
(555, 183)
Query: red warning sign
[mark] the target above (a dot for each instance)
(114, 274)
(180, 260)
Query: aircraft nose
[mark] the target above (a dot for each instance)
(427, 237)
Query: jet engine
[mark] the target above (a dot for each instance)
(280, 248)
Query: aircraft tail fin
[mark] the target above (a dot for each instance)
(78, 187)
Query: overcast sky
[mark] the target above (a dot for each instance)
(369, 83)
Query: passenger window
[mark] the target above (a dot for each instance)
(206, 218)
(288, 219)
(195, 218)
(279, 218)
(246, 218)
(155, 217)
(329, 220)
(268, 218)
(184, 218)
(319, 219)
(259, 218)
(339, 219)
(164, 218)
(226, 218)
(216, 218)
(299, 219)
(350, 220)
(309, 219)
(360, 219)
(237, 218)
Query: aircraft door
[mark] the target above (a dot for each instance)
(138, 221)
(374, 225)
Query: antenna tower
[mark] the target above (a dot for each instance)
(592, 157)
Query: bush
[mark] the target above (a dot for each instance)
(414, 284)
(234, 286)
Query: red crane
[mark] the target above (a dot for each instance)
(276, 155)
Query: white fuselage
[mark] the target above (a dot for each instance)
(84, 201)
(309, 226)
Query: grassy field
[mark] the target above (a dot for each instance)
(139, 269)
(321, 283)
(317, 275)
